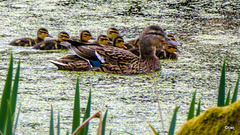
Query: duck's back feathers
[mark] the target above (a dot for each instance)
(23, 42)
(72, 63)
(49, 45)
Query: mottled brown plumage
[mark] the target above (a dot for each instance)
(41, 34)
(116, 60)
(53, 44)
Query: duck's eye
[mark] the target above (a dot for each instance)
(174, 47)
(113, 32)
(119, 41)
(87, 35)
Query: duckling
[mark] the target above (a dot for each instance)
(41, 34)
(118, 41)
(112, 33)
(53, 44)
(117, 60)
(85, 36)
(102, 40)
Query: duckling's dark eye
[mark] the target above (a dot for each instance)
(174, 47)
(113, 32)
(87, 35)
(120, 41)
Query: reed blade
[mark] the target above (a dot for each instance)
(192, 107)
(51, 131)
(173, 121)
(228, 98)
(235, 93)
(16, 122)
(104, 122)
(199, 108)
(84, 131)
(58, 125)
(153, 129)
(221, 90)
(13, 97)
(9, 120)
(76, 111)
(6, 97)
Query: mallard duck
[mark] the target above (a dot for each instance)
(102, 40)
(53, 44)
(84, 37)
(117, 60)
(112, 33)
(41, 34)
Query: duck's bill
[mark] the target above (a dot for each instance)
(120, 35)
(93, 38)
(171, 42)
(50, 36)
(178, 50)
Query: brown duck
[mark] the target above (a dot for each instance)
(41, 34)
(53, 44)
(116, 60)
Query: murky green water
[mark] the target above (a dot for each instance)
(208, 34)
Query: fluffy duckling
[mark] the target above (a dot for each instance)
(53, 44)
(117, 60)
(112, 33)
(84, 37)
(102, 40)
(41, 34)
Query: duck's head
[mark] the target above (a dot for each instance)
(151, 37)
(103, 40)
(42, 33)
(85, 36)
(118, 41)
(112, 33)
(63, 36)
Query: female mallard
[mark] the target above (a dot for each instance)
(167, 52)
(84, 37)
(117, 60)
(41, 34)
(53, 44)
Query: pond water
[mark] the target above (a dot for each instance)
(208, 30)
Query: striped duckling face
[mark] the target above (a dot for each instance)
(42, 33)
(103, 40)
(63, 36)
(85, 36)
(112, 33)
(119, 42)
(171, 48)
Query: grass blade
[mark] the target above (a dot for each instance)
(104, 122)
(84, 131)
(67, 132)
(13, 98)
(221, 91)
(154, 131)
(234, 98)
(76, 111)
(16, 122)
(199, 108)
(6, 96)
(228, 98)
(51, 131)
(173, 121)
(192, 107)
(58, 125)
(9, 120)
(126, 132)
(110, 132)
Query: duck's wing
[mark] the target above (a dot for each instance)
(72, 63)
(23, 42)
(110, 53)
(86, 52)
